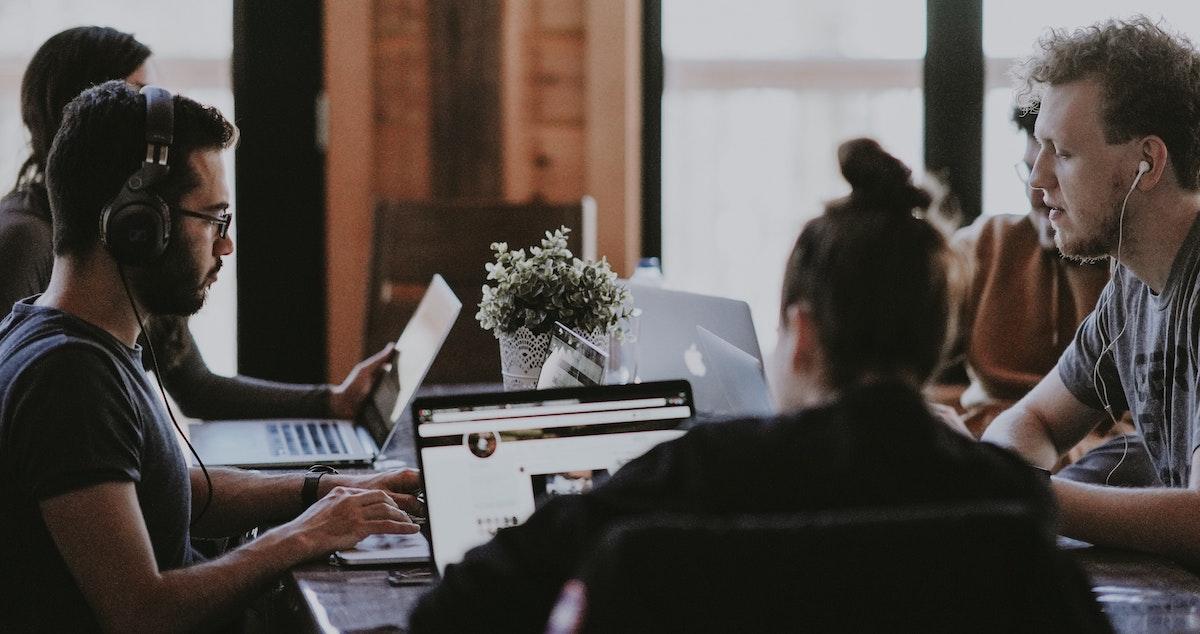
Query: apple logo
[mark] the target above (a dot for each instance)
(694, 361)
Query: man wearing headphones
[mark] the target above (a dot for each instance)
(1119, 166)
(97, 498)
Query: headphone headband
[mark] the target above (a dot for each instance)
(160, 116)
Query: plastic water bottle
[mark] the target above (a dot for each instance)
(647, 273)
(623, 355)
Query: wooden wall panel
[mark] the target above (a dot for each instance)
(500, 100)
(465, 61)
(402, 102)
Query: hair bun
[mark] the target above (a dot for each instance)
(879, 177)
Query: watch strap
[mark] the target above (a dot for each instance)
(312, 480)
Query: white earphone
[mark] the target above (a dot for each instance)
(1097, 379)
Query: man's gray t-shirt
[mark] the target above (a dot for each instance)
(1151, 370)
(77, 410)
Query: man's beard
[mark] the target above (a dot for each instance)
(173, 285)
(1095, 247)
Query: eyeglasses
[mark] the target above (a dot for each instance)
(222, 221)
(1023, 171)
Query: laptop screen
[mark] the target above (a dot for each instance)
(377, 415)
(490, 460)
(416, 350)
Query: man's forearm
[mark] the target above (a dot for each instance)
(243, 499)
(122, 581)
(1022, 432)
(199, 596)
(1162, 521)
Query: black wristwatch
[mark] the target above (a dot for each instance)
(308, 492)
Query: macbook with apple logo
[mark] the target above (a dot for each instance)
(707, 340)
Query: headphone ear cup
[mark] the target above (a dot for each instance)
(136, 228)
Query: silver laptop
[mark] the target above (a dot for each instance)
(488, 461)
(671, 346)
(733, 382)
(299, 442)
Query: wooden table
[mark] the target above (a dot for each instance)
(1142, 593)
(324, 598)
(1138, 593)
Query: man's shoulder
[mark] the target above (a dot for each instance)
(20, 207)
(17, 227)
(51, 376)
(52, 342)
(995, 229)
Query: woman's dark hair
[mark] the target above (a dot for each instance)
(64, 66)
(875, 277)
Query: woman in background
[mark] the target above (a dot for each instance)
(62, 67)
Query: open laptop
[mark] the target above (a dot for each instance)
(489, 460)
(671, 345)
(732, 382)
(300, 442)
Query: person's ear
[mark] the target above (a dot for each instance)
(1154, 155)
(805, 353)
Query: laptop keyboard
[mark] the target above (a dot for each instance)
(304, 439)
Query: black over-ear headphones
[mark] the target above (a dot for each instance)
(136, 225)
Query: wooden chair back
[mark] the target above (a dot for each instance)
(414, 240)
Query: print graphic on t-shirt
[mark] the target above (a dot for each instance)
(1153, 395)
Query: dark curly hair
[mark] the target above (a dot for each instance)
(876, 277)
(1150, 79)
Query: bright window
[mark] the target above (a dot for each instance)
(192, 44)
(757, 98)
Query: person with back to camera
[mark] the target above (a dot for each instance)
(864, 319)
(62, 67)
(1119, 166)
(97, 502)
(1022, 306)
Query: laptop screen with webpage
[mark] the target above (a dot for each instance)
(490, 460)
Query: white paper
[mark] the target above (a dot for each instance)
(387, 549)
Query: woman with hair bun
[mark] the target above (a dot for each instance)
(870, 280)
(865, 314)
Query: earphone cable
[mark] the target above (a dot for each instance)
(1097, 378)
(158, 379)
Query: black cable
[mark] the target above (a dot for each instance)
(158, 379)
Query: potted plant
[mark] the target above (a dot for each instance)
(533, 291)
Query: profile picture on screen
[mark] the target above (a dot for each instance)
(481, 444)
(551, 485)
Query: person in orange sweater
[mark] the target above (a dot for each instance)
(1024, 304)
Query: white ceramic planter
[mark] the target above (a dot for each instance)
(522, 354)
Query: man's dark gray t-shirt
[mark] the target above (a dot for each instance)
(1151, 370)
(76, 410)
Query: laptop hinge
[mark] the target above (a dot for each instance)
(364, 437)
